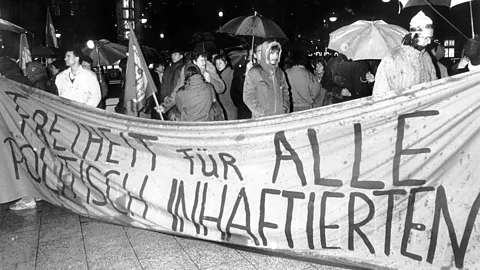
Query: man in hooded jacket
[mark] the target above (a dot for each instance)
(265, 90)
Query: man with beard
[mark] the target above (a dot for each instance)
(265, 90)
(408, 64)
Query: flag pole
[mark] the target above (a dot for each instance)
(158, 105)
(98, 62)
(153, 94)
(471, 19)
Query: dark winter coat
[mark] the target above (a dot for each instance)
(266, 90)
(194, 100)
(236, 91)
(225, 98)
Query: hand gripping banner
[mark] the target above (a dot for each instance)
(386, 181)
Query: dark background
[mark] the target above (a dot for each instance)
(301, 20)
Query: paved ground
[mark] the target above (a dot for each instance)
(54, 238)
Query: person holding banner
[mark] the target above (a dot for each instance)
(408, 64)
(209, 73)
(77, 83)
(195, 98)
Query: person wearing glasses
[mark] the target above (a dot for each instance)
(408, 64)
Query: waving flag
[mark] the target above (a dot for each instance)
(139, 85)
(24, 55)
(50, 37)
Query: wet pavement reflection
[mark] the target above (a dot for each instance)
(50, 237)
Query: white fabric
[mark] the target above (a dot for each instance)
(84, 89)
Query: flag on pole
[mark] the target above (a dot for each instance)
(24, 55)
(50, 37)
(139, 85)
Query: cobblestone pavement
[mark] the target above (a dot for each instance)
(50, 237)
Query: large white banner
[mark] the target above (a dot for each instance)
(390, 181)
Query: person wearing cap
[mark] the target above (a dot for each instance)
(171, 74)
(408, 64)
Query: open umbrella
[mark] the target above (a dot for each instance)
(212, 43)
(8, 26)
(229, 42)
(254, 26)
(104, 52)
(366, 39)
(236, 56)
(446, 3)
(203, 40)
(151, 55)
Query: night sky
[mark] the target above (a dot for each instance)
(178, 20)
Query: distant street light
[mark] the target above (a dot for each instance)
(90, 44)
(162, 35)
(220, 14)
(143, 19)
(58, 35)
(385, 1)
(333, 17)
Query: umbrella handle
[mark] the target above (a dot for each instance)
(98, 58)
(253, 44)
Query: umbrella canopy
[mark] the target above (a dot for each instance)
(8, 26)
(108, 52)
(366, 39)
(236, 56)
(447, 3)
(256, 25)
(212, 43)
(151, 55)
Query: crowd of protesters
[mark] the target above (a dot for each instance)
(200, 86)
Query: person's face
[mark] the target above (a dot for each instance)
(423, 41)
(273, 59)
(160, 68)
(70, 59)
(319, 68)
(220, 64)
(201, 62)
(86, 65)
(176, 57)
(54, 70)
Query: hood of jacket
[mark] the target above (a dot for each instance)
(195, 82)
(265, 55)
